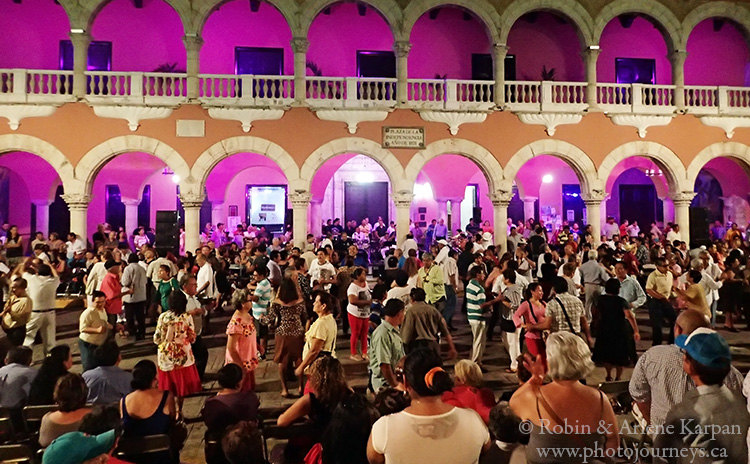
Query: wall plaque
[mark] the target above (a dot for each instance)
(403, 137)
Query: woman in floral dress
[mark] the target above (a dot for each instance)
(242, 346)
(174, 334)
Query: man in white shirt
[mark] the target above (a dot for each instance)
(322, 271)
(409, 244)
(450, 277)
(610, 229)
(42, 282)
(206, 281)
(152, 271)
(75, 247)
(674, 234)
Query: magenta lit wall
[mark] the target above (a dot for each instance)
(641, 40)
(142, 39)
(546, 42)
(336, 38)
(234, 25)
(445, 45)
(32, 31)
(731, 176)
(716, 58)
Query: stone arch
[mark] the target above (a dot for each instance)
(241, 144)
(389, 9)
(390, 164)
(665, 20)
(44, 150)
(571, 9)
(288, 9)
(481, 8)
(571, 154)
(482, 157)
(718, 9)
(181, 7)
(735, 150)
(93, 161)
(665, 158)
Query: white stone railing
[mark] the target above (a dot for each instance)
(636, 98)
(245, 90)
(450, 94)
(545, 96)
(702, 100)
(35, 86)
(136, 87)
(350, 92)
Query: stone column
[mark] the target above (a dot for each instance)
(529, 207)
(300, 204)
(500, 202)
(499, 52)
(590, 55)
(668, 210)
(78, 205)
(403, 201)
(193, 44)
(80, 41)
(593, 202)
(316, 224)
(131, 213)
(677, 58)
(455, 222)
(682, 202)
(192, 203)
(299, 47)
(442, 207)
(42, 216)
(401, 49)
(218, 212)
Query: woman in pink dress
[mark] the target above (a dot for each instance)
(532, 311)
(242, 347)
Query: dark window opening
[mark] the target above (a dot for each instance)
(635, 70)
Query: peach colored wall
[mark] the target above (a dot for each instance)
(36, 44)
(641, 40)
(546, 42)
(153, 36)
(716, 58)
(444, 45)
(234, 25)
(335, 38)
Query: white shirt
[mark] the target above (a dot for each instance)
(98, 271)
(450, 270)
(455, 437)
(610, 230)
(409, 244)
(75, 247)
(206, 274)
(672, 236)
(498, 287)
(400, 293)
(576, 278)
(357, 311)
(317, 269)
(42, 290)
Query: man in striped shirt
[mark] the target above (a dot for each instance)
(477, 312)
(261, 298)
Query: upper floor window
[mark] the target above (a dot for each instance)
(635, 70)
(99, 56)
(376, 64)
(259, 61)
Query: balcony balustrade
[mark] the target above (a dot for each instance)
(21, 86)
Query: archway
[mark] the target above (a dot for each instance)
(638, 193)
(717, 53)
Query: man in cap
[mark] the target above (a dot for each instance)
(79, 448)
(711, 421)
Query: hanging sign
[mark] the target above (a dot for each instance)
(403, 137)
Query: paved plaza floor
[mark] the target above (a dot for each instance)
(268, 386)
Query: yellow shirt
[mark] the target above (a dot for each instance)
(432, 283)
(695, 298)
(660, 283)
(17, 312)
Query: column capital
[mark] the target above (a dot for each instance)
(590, 53)
(401, 48)
(41, 203)
(682, 198)
(192, 200)
(79, 37)
(451, 199)
(131, 201)
(300, 199)
(594, 198)
(403, 199)
(501, 198)
(500, 50)
(76, 200)
(193, 43)
(300, 45)
(678, 56)
(529, 199)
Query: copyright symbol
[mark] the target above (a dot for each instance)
(525, 427)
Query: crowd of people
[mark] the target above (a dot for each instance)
(560, 304)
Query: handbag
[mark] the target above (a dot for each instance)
(545, 333)
(570, 325)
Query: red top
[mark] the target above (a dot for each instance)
(113, 289)
(480, 400)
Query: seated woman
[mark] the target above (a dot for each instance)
(429, 430)
(148, 410)
(70, 397)
(54, 366)
(231, 404)
(345, 439)
(468, 391)
(565, 400)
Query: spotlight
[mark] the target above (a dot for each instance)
(365, 177)
(547, 178)
(176, 179)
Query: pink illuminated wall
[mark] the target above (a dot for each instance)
(335, 38)
(445, 45)
(640, 40)
(547, 41)
(234, 25)
(529, 180)
(716, 57)
(142, 39)
(732, 176)
(32, 31)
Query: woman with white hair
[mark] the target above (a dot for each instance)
(565, 401)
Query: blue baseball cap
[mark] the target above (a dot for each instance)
(706, 347)
(77, 447)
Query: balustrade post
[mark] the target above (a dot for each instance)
(451, 94)
(80, 41)
(299, 47)
(20, 86)
(677, 58)
(499, 52)
(247, 82)
(591, 55)
(136, 89)
(546, 100)
(351, 92)
(637, 103)
(723, 103)
(401, 49)
(193, 44)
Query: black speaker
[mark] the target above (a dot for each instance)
(167, 232)
(477, 215)
(699, 227)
